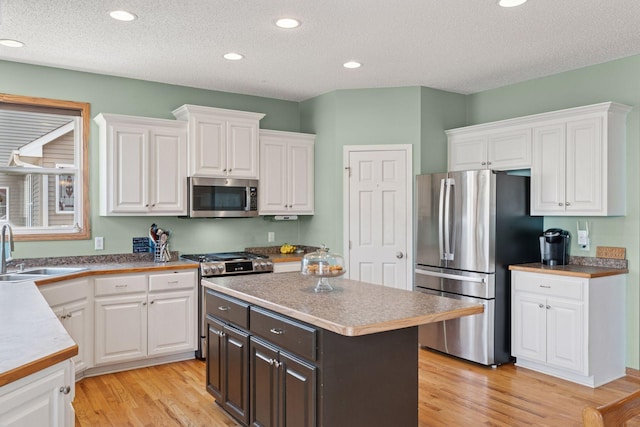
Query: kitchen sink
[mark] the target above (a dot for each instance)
(51, 271)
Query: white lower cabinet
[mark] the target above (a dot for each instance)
(42, 399)
(569, 327)
(144, 315)
(69, 300)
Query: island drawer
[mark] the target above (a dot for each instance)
(227, 308)
(284, 333)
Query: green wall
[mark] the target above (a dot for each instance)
(617, 81)
(108, 94)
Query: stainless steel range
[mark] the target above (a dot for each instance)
(223, 264)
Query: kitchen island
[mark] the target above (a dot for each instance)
(281, 353)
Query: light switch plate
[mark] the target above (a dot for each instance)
(98, 243)
(610, 252)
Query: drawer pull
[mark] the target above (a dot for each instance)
(173, 282)
(545, 286)
(121, 286)
(276, 331)
(224, 308)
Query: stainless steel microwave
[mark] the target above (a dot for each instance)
(222, 197)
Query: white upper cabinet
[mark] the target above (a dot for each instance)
(488, 147)
(286, 173)
(143, 165)
(579, 162)
(222, 143)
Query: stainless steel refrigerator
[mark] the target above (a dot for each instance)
(471, 226)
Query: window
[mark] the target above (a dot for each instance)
(43, 166)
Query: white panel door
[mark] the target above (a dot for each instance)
(169, 171)
(585, 155)
(468, 153)
(529, 334)
(131, 174)
(273, 180)
(172, 322)
(379, 216)
(208, 149)
(121, 328)
(548, 170)
(565, 332)
(242, 149)
(301, 183)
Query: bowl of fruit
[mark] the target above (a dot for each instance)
(287, 249)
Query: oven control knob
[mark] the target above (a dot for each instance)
(263, 265)
(206, 269)
(220, 268)
(269, 264)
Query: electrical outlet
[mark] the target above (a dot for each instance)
(271, 236)
(584, 246)
(98, 243)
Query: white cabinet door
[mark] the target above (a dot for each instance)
(467, 152)
(548, 170)
(207, 146)
(585, 157)
(565, 334)
(509, 150)
(273, 195)
(168, 171)
(242, 149)
(121, 328)
(286, 173)
(39, 400)
(172, 322)
(70, 301)
(300, 178)
(130, 169)
(529, 335)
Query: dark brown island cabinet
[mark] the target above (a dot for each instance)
(266, 369)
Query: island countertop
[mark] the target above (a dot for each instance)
(354, 308)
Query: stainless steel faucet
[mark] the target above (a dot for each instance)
(3, 253)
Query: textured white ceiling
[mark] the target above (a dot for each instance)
(462, 46)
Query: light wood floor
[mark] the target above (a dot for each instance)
(452, 393)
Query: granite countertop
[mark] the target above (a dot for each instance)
(574, 270)
(31, 335)
(353, 308)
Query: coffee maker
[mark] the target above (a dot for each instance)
(554, 247)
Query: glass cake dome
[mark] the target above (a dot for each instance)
(324, 265)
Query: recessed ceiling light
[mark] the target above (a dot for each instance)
(122, 15)
(511, 3)
(11, 43)
(287, 23)
(352, 64)
(231, 56)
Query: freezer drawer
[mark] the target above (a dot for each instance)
(468, 283)
(468, 337)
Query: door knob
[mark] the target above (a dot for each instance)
(399, 255)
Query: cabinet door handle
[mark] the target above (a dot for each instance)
(488, 163)
(221, 334)
(224, 308)
(567, 204)
(63, 317)
(65, 389)
(230, 170)
(548, 307)
(276, 331)
(151, 302)
(483, 163)
(541, 305)
(69, 316)
(560, 204)
(144, 303)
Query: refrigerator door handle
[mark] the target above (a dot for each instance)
(451, 276)
(441, 219)
(447, 216)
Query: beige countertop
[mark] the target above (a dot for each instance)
(353, 308)
(585, 271)
(31, 335)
